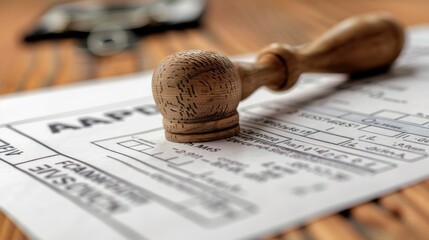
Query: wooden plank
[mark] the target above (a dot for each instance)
(334, 227)
(408, 214)
(18, 71)
(43, 69)
(73, 63)
(418, 197)
(290, 234)
(379, 223)
(119, 64)
(18, 235)
(15, 55)
(6, 229)
(294, 234)
(154, 48)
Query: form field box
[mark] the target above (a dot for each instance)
(253, 132)
(414, 119)
(327, 137)
(135, 145)
(380, 131)
(142, 147)
(179, 161)
(283, 126)
(387, 151)
(389, 114)
(130, 143)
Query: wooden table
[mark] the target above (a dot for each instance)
(229, 27)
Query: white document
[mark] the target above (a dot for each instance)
(91, 161)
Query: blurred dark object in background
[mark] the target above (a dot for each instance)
(108, 28)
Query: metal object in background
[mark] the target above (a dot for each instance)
(110, 28)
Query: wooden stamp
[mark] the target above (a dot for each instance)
(198, 92)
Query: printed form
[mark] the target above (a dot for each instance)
(91, 161)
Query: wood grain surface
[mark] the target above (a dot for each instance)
(229, 27)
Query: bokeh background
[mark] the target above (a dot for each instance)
(227, 26)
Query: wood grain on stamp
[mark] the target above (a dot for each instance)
(198, 92)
